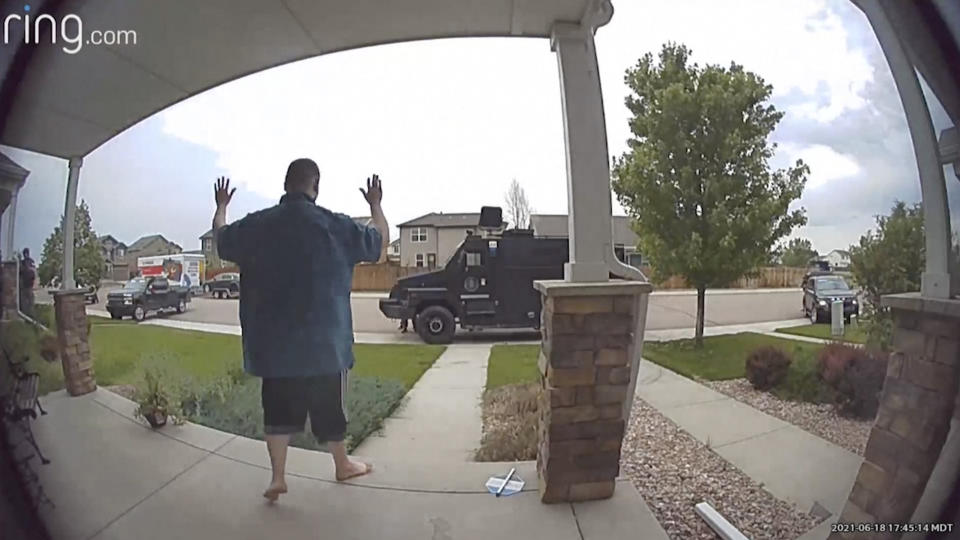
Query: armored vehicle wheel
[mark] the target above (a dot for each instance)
(436, 325)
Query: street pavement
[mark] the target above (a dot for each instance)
(667, 309)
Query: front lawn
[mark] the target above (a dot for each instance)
(512, 364)
(852, 334)
(203, 364)
(722, 357)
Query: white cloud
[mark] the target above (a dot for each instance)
(826, 164)
(449, 123)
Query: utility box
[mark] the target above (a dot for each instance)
(836, 318)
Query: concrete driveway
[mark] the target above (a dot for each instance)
(668, 309)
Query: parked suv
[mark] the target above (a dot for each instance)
(819, 293)
(225, 285)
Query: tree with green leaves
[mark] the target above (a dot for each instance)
(889, 260)
(696, 179)
(798, 253)
(89, 266)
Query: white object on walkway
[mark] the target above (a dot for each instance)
(505, 485)
(718, 523)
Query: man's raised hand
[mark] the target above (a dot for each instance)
(374, 192)
(222, 192)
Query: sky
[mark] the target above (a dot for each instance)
(447, 124)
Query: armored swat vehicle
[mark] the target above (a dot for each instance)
(487, 283)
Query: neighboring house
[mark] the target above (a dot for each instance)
(556, 225)
(149, 246)
(209, 250)
(113, 250)
(430, 240)
(115, 258)
(393, 251)
(839, 259)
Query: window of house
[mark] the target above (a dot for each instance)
(419, 260)
(418, 234)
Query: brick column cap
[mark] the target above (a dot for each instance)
(68, 292)
(616, 287)
(946, 307)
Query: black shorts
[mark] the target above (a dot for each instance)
(287, 401)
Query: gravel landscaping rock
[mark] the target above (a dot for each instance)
(673, 472)
(819, 419)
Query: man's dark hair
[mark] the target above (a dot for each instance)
(300, 174)
(26, 252)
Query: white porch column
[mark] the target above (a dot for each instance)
(69, 223)
(9, 220)
(588, 171)
(935, 280)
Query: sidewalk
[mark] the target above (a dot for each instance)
(111, 477)
(442, 412)
(790, 463)
(493, 336)
(760, 328)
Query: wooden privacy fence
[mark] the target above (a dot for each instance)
(774, 277)
(382, 277)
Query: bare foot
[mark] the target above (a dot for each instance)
(353, 470)
(275, 490)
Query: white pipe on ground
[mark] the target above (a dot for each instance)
(718, 523)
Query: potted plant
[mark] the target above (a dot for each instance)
(157, 399)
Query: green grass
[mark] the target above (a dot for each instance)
(118, 349)
(512, 364)
(852, 334)
(722, 357)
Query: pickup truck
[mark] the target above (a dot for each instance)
(225, 285)
(140, 296)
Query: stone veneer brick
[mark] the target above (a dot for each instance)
(585, 368)
(8, 292)
(920, 395)
(71, 313)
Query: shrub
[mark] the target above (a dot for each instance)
(861, 385)
(856, 375)
(803, 382)
(767, 367)
(510, 423)
(236, 408)
(833, 361)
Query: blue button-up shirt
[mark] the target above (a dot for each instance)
(296, 268)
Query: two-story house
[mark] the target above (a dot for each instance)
(556, 225)
(209, 250)
(114, 254)
(430, 240)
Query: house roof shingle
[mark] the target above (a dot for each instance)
(144, 240)
(439, 219)
(106, 237)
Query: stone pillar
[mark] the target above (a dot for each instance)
(592, 338)
(916, 406)
(71, 313)
(9, 295)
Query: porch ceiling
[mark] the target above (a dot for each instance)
(69, 104)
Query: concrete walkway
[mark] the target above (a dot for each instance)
(792, 464)
(111, 477)
(442, 412)
(688, 333)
